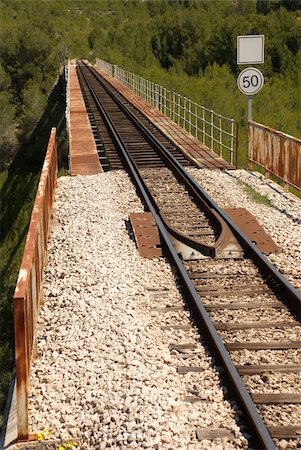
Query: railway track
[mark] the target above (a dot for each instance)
(148, 148)
(140, 150)
(249, 312)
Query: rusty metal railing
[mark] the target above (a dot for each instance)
(278, 153)
(28, 289)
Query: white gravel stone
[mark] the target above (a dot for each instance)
(106, 375)
(282, 220)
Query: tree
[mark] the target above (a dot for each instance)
(8, 128)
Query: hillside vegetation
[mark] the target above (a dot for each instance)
(188, 46)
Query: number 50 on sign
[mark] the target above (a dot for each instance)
(250, 81)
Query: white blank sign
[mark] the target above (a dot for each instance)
(250, 49)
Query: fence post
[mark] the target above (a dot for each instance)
(190, 118)
(196, 123)
(22, 369)
(211, 129)
(250, 165)
(147, 91)
(236, 146)
(114, 70)
(204, 125)
(35, 302)
(151, 93)
(156, 87)
(184, 115)
(221, 137)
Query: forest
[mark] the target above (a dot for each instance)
(188, 46)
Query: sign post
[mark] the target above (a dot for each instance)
(250, 50)
(250, 100)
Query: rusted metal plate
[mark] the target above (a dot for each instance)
(277, 152)
(249, 225)
(146, 235)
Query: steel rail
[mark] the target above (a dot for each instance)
(262, 434)
(292, 294)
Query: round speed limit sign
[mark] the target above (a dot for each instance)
(250, 81)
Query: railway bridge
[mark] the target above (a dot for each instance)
(158, 305)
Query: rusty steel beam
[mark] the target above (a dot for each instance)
(28, 287)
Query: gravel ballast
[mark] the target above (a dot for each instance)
(282, 220)
(106, 375)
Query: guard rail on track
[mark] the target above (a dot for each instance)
(217, 132)
(278, 153)
(28, 289)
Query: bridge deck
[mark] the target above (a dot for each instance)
(196, 150)
(83, 153)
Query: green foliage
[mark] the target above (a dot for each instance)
(204, 34)
(32, 106)
(8, 141)
(186, 45)
(190, 47)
